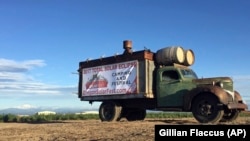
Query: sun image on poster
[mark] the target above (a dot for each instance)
(119, 78)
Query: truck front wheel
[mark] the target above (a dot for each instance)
(230, 115)
(206, 108)
(110, 111)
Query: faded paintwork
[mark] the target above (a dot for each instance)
(160, 87)
(180, 93)
(177, 94)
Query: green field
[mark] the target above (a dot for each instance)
(62, 117)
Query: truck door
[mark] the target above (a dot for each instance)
(169, 89)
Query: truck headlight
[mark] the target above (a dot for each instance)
(220, 84)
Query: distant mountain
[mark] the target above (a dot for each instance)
(18, 111)
(32, 111)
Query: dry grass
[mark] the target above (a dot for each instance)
(93, 130)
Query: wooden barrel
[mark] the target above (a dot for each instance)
(189, 57)
(170, 55)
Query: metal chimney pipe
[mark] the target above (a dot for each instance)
(127, 45)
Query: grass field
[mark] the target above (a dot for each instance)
(56, 117)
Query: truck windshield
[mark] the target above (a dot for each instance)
(188, 73)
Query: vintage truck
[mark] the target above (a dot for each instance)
(130, 84)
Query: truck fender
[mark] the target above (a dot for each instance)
(217, 91)
(237, 96)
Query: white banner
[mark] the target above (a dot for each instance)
(120, 78)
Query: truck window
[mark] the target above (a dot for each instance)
(188, 73)
(170, 75)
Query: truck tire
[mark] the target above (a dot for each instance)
(136, 114)
(230, 115)
(110, 111)
(206, 108)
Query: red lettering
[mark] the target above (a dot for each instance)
(85, 71)
(107, 68)
(97, 69)
(127, 65)
(122, 66)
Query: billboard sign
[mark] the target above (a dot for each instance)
(119, 78)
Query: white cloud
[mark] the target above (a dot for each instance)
(25, 106)
(15, 66)
(18, 88)
(16, 78)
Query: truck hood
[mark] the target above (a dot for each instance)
(225, 83)
(213, 80)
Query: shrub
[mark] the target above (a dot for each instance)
(10, 118)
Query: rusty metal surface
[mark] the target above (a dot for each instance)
(239, 106)
(127, 44)
(139, 55)
(217, 91)
(237, 96)
(221, 87)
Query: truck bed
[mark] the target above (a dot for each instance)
(106, 78)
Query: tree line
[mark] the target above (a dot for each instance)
(62, 117)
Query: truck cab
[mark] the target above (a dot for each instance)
(172, 84)
(209, 99)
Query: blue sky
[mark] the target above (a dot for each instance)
(42, 42)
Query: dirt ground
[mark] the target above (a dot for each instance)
(92, 130)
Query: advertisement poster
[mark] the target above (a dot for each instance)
(110, 79)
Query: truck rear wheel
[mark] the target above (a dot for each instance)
(110, 111)
(135, 114)
(206, 108)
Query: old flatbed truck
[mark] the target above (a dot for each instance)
(129, 84)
